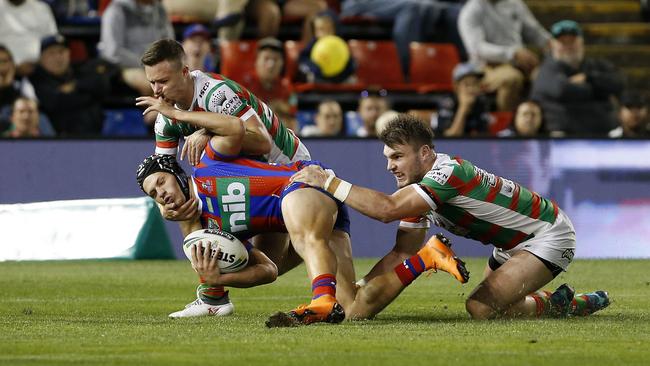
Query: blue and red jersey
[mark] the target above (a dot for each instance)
(244, 196)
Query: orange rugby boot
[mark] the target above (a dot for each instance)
(324, 309)
(437, 255)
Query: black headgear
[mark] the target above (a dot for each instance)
(163, 163)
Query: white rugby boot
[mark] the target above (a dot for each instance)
(199, 308)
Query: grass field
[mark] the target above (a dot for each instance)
(115, 313)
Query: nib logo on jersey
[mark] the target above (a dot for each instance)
(234, 203)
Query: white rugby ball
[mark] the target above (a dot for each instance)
(233, 254)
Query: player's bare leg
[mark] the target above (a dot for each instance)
(278, 248)
(345, 274)
(382, 289)
(309, 216)
(503, 292)
(407, 244)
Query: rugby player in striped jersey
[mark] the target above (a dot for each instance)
(533, 239)
(247, 197)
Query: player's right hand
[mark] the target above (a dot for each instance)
(204, 262)
(187, 211)
(313, 175)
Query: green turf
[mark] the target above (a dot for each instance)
(115, 313)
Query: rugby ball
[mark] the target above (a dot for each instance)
(233, 255)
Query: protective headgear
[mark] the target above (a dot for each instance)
(163, 163)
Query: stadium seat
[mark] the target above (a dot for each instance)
(377, 64)
(432, 65)
(237, 58)
(124, 122)
(500, 121)
(78, 51)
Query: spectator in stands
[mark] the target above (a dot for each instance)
(267, 83)
(128, 28)
(198, 48)
(24, 119)
(228, 16)
(372, 104)
(575, 92)
(413, 20)
(22, 25)
(329, 121)
(384, 119)
(527, 122)
(11, 89)
(10, 86)
(323, 24)
(495, 33)
(72, 98)
(307, 10)
(633, 117)
(465, 113)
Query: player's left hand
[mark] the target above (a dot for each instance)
(206, 264)
(313, 175)
(156, 105)
(187, 211)
(194, 146)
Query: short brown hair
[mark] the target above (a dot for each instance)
(407, 130)
(163, 50)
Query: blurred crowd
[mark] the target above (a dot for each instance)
(512, 77)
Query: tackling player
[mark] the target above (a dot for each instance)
(173, 84)
(246, 197)
(534, 240)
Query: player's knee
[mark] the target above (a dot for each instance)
(479, 310)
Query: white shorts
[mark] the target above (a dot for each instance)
(557, 244)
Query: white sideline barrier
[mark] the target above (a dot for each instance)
(82, 229)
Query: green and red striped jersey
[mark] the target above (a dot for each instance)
(471, 202)
(216, 93)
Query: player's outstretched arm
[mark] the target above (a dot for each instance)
(259, 271)
(257, 140)
(216, 123)
(406, 202)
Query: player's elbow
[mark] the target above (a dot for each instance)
(269, 273)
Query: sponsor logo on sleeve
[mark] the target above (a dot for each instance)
(225, 101)
(216, 101)
(508, 187)
(440, 175)
(487, 178)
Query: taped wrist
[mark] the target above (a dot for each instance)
(337, 187)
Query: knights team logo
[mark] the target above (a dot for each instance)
(207, 186)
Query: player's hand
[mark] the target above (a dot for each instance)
(185, 212)
(313, 175)
(206, 264)
(194, 146)
(156, 105)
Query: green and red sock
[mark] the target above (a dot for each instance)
(213, 295)
(543, 300)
